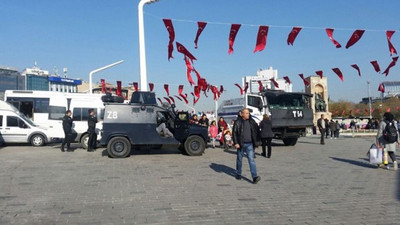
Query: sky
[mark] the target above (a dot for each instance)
(85, 35)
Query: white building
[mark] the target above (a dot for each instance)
(264, 75)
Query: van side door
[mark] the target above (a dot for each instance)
(15, 130)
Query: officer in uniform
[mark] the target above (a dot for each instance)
(92, 120)
(67, 127)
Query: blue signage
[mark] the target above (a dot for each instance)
(65, 80)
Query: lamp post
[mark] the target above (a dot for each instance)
(98, 70)
(142, 46)
(369, 102)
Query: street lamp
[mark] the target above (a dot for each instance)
(98, 70)
(369, 102)
(142, 48)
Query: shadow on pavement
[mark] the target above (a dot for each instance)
(219, 168)
(355, 162)
(398, 185)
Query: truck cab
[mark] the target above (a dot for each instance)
(290, 112)
(137, 123)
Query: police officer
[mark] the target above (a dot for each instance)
(67, 127)
(92, 120)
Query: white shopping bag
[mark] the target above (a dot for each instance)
(375, 155)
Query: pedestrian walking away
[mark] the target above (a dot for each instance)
(321, 127)
(266, 135)
(388, 137)
(67, 127)
(245, 134)
(92, 120)
(332, 127)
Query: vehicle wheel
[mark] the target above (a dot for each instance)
(290, 141)
(194, 145)
(84, 141)
(119, 147)
(37, 140)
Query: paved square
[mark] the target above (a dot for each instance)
(305, 184)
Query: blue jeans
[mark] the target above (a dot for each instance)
(248, 148)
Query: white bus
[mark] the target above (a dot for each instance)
(47, 108)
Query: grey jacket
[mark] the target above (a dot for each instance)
(391, 147)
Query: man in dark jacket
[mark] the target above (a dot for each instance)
(67, 127)
(92, 120)
(245, 135)
(266, 135)
(321, 127)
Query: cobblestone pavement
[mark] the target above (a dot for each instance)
(305, 184)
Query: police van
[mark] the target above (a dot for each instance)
(135, 125)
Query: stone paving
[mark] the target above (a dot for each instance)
(303, 184)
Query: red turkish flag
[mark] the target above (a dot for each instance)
(293, 34)
(393, 63)
(119, 88)
(357, 68)
(202, 84)
(103, 86)
(376, 66)
(397, 108)
(197, 74)
(178, 97)
(339, 73)
(200, 28)
(389, 34)
(135, 86)
(357, 111)
(336, 112)
(319, 73)
(373, 110)
(329, 32)
(240, 88)
(180, 89)
(306, 83)
(184, 97)
(356, 36)
(168, 100)
(159, 99)
(189, 69)
(214, 90)
(261, 39)
(274, 82)
(184, 51)
(365, 111)
(343, 112)
(166, 88)
(286, 78)
(246, 87)
(197, 91)
(381, 88)
(151, 86)
(221, 89)
(388, 109)
(172, 99)
(260, 86)
(170, 28)
(232, 35)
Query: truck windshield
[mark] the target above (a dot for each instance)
(288, 101)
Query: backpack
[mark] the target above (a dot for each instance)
(390, 132)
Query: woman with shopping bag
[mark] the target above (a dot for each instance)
(387, 138)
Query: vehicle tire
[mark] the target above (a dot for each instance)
(84, 141)
(37, 140)
(194, 145)
(290, 141)
(119, 147)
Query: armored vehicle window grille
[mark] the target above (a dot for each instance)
(135, 110)
(287, 101)
(150, 110)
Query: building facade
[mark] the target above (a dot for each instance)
(264, 75)
(10, 78)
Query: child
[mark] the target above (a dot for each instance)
(213, 131)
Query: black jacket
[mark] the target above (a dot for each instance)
(266, 129)
(67, 124)
(238, 135)
(92, 120)
(319, 123)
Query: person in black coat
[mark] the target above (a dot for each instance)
(92, 120)
(321, 127)
(245, 135)
(67, 127)
(266, 135)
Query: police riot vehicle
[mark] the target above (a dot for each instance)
(290, 112)
(137, 124)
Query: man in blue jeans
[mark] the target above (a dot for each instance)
(245, 135)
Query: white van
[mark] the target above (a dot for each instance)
(15, 127)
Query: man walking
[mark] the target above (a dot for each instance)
(245, 134)
(92, 120)
(321, 127)
(67, 127)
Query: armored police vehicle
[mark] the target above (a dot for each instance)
(290, 112)
(142, 122)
